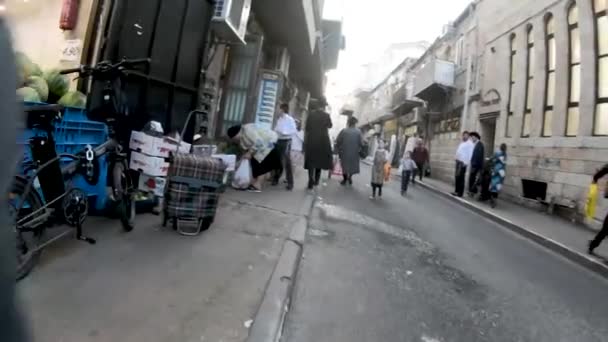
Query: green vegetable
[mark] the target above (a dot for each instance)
(28, 94)
(25, 67)
(58, 84)
(40, 85)
(73, 99)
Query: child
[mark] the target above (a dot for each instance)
(408, 166)
(378, 170)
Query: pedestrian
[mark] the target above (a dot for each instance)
(297, 145)
(286, 128)
(420, 155)
(259, 147)
(595, 243)
(477, 160)
(317, 145)
(411, 143)
(349, 145)
(463, 158)
(499, 164)
(408, 168)
(378, 173)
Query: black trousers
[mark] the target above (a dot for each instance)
(377, 187)
(601, 235)
(284, 147)
(314, 176)
(418, 172)
(461, 171)
(473, 188)
(405, 180)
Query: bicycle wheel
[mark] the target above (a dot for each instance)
(26, 242)
(124, 195)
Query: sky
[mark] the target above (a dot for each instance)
(371, 26)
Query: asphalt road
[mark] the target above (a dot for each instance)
(424, 269)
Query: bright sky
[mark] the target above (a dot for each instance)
(370, 26)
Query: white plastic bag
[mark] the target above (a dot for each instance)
(242, 176)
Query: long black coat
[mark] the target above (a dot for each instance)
(317, 145)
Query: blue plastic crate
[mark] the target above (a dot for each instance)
(72, 134)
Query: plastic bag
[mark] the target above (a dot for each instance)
(337, 170)
(242, 176)
(387, 172)
(591, 203)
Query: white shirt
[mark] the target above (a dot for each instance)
(286, 127)
(411, 143)
(297, 141)
(465, 152)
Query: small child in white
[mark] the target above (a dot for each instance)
(407, 166)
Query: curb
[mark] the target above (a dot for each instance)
(268, 321)
(573, 255)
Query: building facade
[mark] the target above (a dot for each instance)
(532, 75)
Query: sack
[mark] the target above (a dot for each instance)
(337, 170)
(387, 172)
(242, 176)
(591, 203)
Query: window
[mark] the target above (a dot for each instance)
(550, 80)
(601, 111)
(511, 87)
(525, 131)
(459, 55)
(574, 93)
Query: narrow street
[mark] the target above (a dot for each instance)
(424, 269)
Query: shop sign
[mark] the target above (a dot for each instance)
(71, 50)
(267, 100)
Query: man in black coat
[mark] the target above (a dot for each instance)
(477, 160)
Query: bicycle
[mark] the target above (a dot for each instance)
(34, 211)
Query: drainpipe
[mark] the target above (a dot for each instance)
(467, 93)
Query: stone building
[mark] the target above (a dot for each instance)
(532, 74)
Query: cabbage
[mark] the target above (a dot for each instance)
(40, 85)
(58, 84)
(28, 94)
(73, 99)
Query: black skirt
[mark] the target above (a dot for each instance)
(270, 163)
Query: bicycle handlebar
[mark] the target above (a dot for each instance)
(106, 66)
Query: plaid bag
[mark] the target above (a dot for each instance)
(193, 186)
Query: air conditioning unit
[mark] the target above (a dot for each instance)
(229, 21)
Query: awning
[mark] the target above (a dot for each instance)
(407, 106)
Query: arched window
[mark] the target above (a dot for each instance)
(550, 80)
(525, 131)
(511, 86)
(574, 93)
(601, 111)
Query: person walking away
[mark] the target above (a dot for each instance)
(259, 145)
(408, 167)
(286, 128)
(420, 155)
(477, 160)
(378, 174)
(317, 145)
(597, 241)
(297, 145)
(463, 158)
(349, 144)
(499, 162)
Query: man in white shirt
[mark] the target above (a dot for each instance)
(463, 159)
(297, 145)
(286, 129)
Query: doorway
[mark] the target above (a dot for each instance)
(488, 133)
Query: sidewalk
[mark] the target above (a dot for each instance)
(557, 234)
(155, 285)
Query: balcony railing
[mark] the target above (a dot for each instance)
(436, 74)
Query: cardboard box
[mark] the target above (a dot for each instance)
(151, 184)
(228, 159)
(155, 146)
(153, 166)
(204, 150)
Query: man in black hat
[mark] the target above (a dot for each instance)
(317, 145)
(477, 160)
